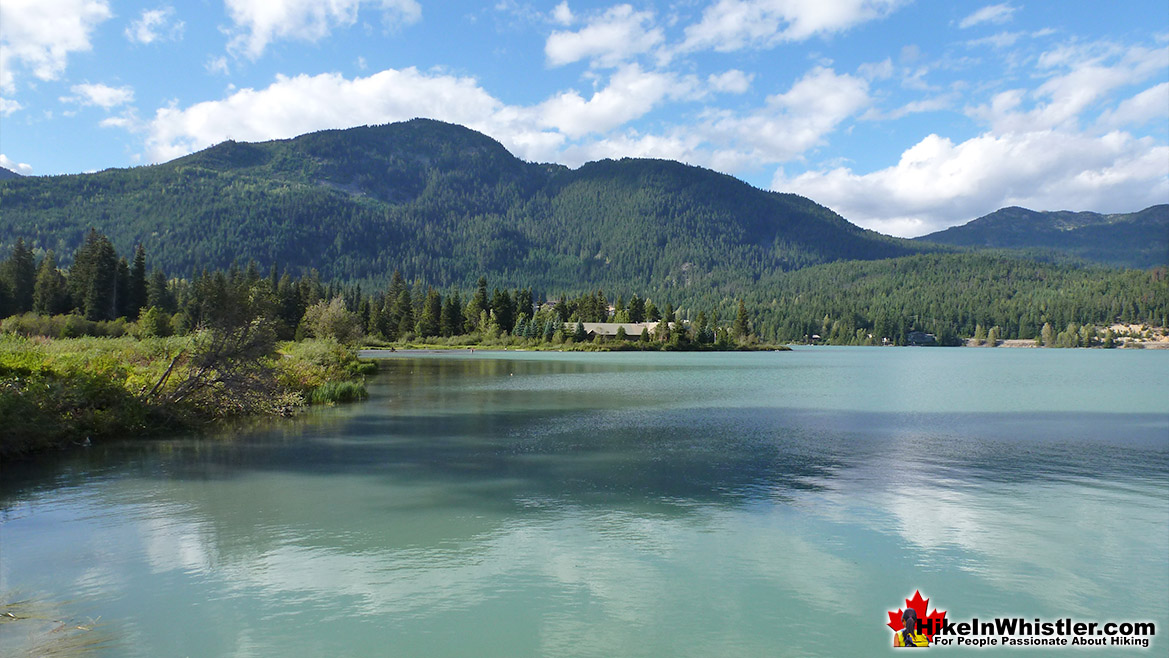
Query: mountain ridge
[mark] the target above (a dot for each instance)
(443, 203)
(1137, 239)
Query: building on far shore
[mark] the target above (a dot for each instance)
(921, 339)
(609, 329)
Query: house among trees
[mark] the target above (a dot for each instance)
(921, 339)
(611, 329)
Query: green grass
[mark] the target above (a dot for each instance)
(56, 392)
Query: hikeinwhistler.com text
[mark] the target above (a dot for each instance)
(1019, 632)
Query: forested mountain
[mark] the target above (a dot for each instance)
(441, 203)
(1138, 239)
(6, 174)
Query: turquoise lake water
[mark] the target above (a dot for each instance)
(545, 504)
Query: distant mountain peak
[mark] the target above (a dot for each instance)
(1137, 239)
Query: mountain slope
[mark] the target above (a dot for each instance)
(1139, 239)
(8, 174)
(443, 203)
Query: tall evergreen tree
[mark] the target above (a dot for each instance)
(122, 290)
(138, 291)
(636, 309)
(430, 321)
(404, 309)
(93, 277)
(452, 315)
(741, 328)
(50, 296)
(20, 273)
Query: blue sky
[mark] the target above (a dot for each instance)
(905, 117)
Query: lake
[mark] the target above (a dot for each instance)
(619, 504)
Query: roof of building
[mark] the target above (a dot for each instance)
(610, 328)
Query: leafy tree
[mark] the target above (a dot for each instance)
(1047, 335)
(332, 320)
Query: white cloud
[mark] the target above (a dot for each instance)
(260, 22)
(562, 14)
(292, 106)
(103, 96)
(155, 25)
(876, 70)
(40, 34)
(733, 81)
(631, 93)
(218, 65)
(1150, 104)
(793, 122)
(731, 25)
(1087, 75)
(1000, 40)
(608, 40)
(19, 167)
(8, 106)
(996, 14)
(938, 183)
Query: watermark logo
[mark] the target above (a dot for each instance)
(912, 627)
(915, 625)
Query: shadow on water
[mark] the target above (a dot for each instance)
(595, 430)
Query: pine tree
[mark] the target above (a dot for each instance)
(138, 288)
(452, 316)
(429, 323)
(20, 273)
(93, 277)
(404, 309)
(50, 296)
(741, 328)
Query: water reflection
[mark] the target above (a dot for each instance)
(553, 506)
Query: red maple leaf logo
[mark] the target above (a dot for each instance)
(919, 606)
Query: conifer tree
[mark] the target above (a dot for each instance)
(50, 296)
(20, 273)
(138, 291)
(741, 328)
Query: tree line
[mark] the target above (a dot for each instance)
(103, 293)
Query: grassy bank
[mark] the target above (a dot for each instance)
(54, 392)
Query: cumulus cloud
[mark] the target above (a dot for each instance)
(731, 25)
(938, 183)
(260, 22)
(103, 96)
(608, 39)
(294, 105)
(793, 122)
(39, 35)
(1078, 79)
(733, 81)
(8, 106)
(562, 14)
(155, 25)
(1150, 104)
(19, 167)
(990, 14)
(631, 93)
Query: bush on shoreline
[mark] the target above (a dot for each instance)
(54, 392)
